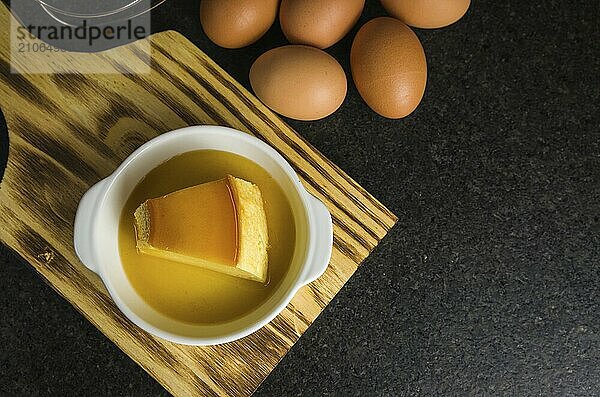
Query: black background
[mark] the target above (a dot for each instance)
(489, 284)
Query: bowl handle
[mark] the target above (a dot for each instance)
(323, 239)
(84, 222)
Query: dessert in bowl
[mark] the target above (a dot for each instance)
(249, 251)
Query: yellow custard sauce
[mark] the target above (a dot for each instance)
(189, 293)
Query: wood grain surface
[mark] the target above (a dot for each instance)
(67, 131)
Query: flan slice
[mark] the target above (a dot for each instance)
(218, 225)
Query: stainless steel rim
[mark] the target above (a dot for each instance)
(128, 11)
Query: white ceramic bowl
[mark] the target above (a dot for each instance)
(97, 223)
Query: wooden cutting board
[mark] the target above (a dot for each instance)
(66, 132)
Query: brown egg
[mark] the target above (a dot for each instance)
(319, 23)
(389, 67)
(428, 14)
(237, 23)
(300, 82)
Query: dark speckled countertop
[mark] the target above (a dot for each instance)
(488, 285)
